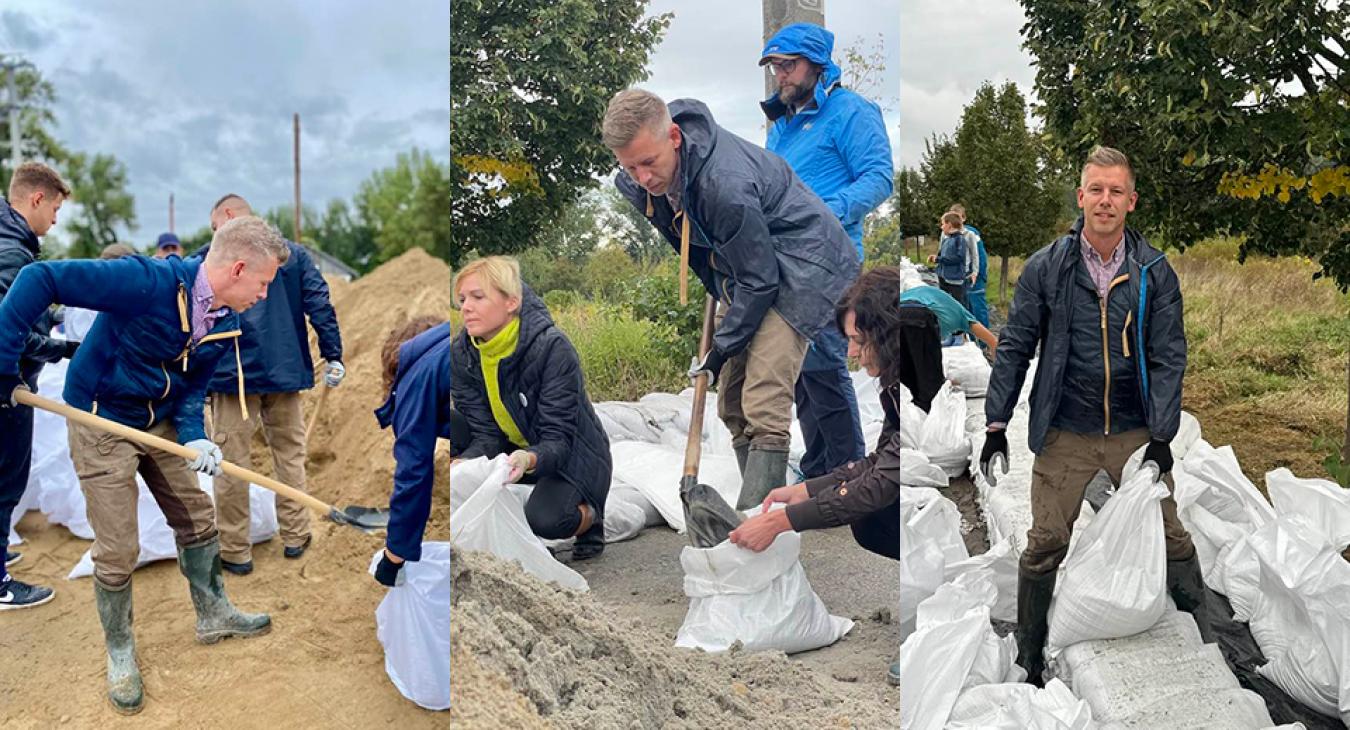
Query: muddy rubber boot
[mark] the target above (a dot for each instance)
(126, 693)
(217, 618)
(1186, 583)
(742, 452)
(1033, 616)
(765, 471)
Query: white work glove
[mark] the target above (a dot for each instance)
(333, 374)
(521, 461)
(208, 457)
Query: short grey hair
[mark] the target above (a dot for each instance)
(631, 111)
(250, 238)
(1101, 156)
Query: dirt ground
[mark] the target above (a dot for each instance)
(322, 665)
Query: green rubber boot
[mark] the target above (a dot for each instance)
(126, 693)
(217, 618)
(765, 471)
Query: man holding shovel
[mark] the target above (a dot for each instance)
(145, 364)
(767, 247)
(274, 356)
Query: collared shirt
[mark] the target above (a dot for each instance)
(202, 295)
(1101, 270)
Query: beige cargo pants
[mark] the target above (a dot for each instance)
(755, 388)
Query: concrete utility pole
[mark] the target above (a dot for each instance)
(297, 178)
(779, 13)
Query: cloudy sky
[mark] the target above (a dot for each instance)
(196, 98)
(947, 49)
(712, 47)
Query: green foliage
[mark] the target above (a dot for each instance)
(623, 357)
(656, 297)
(98, 187)
(882, 242)
(632, 230)
(344, 233)
(910, 203)
(283, 217)
(1197, 93)
(530, 81)
(560, 299)
(405, 207)
(608, 271)
(195, 240)
(545, 272)
(37, 95)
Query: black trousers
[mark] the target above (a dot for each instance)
(16, 452)
(958, 292)
(879, 532)
(460, 435)
(920, 353)
(552, 507)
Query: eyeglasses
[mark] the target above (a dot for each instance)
(784, 66)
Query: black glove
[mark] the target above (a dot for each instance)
(995, 445)
(1160, 453)
(388, 572)
(712, 365)
(8, 384)
(71, 347)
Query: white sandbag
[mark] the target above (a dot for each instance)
(867, 390)
(930, 539)
(625, 514)
(1231, 496)
(762, 600)
(651, 516)
(1324, 587)
(967, 367)
(1020, 707)
(917, 471)
(655, 471)
(1322, 501)
(466, 477)
(156, 537)
(934, 520)
(1113, 581)
(943, 435)
(493, 519)
(1000, 564)
(413, 625)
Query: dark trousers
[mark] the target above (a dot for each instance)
(460, 435)
(920, 354)
(827, 407)
(879, 532)
(552, 507)
(16, 452)
(957, 290)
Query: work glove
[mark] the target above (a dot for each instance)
(389, 573)
(208, 457)
(333, 374)
(711, 365)
(71, 347)
(1160, 453)
(995, 447)
(9, 384)
(521, 461)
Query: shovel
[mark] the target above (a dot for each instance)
(707, 517)
(362, 518)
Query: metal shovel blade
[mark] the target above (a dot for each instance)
(367, 519)
(707, 517)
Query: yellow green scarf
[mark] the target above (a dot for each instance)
(500, 347)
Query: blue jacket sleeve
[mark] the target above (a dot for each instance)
(1017, 344)
(1166, 355)
(952, 251)
(121, 286)
(867, 152)
(741, 236)
(415, 431)
(319, 308)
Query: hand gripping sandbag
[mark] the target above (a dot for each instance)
(413, 625)
(492, 519)
(1114, 581)
(762, 600)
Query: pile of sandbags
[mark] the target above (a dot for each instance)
(930, 541)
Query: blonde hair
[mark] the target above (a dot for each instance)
(1106, 157)
(248, 238)
(958, 209)
(500, 272)
(631, 111)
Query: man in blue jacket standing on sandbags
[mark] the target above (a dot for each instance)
(835, 140)
(274, 354)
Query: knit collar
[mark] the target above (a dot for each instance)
(502, 344)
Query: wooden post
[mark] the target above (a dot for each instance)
(297, 178)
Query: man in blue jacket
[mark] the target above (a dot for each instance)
(418, 408)
(775, 256)
(35, 195)
(835, 140)
(1103, 308)
(163, 326)
(975, 297)
(274, 354)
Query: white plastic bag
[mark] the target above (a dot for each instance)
(967, 367)
(930, 540)
(493, 519)
(917, 471)
(1020, 707)
(762, 600)
(1113, 581)
(943, 435)
(1000, 562)
(413, 625)
(1322, 501)
(654, 470)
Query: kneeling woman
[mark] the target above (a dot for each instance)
(518, 384)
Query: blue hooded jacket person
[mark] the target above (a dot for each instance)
(836, 142)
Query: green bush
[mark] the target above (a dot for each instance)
(655, 297)
(622, 357)
(545, 272)
(608, 271)
(559, 299)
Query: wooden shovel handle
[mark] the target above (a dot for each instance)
(314, 417)
(238, 472)
(693, 448)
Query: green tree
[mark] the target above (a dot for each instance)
(405, 207)
(36, 96)
(1235, 113)
(343, 233)
(102, 203)
(195, 240)
(633, 231)
(530, 80)
(578, 230)
(283, 217)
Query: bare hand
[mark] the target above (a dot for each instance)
(791, 494)
(758, 532)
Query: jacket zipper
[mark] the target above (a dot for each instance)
(1106, 356)
(1125, 333)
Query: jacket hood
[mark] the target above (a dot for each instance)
(698, 132)
(811, 42)
(13, 227)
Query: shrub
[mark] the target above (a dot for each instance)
(545, 272)
(608, 271)
(623, 357)
(655, 297)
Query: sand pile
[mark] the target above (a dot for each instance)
(579, 664)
